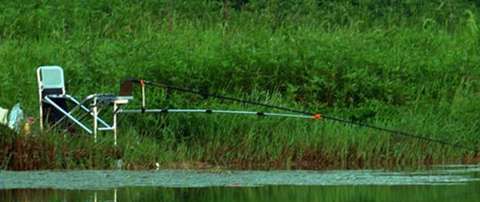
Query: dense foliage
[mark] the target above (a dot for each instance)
(405, 64)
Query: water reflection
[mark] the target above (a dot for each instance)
(420, 193)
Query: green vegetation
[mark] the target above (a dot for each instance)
(409, 65)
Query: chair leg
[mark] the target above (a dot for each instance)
(71, 98)
(115, 108)
(95, 119)
(64, 117)
(49, 101)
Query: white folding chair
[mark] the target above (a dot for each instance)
(53, 98)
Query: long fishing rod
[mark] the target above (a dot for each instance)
(301, 113)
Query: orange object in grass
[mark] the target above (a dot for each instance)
(317, 116)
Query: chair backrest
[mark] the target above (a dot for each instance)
(50, 80)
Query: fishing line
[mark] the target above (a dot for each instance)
(206, 94)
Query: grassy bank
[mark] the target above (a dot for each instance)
(274, 150)
(404, 65)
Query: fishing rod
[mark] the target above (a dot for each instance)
(297, 113)
(126, 90)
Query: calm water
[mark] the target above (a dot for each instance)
(457, 183)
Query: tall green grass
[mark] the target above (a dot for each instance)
(400, 64)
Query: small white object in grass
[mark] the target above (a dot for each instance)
(15, 118)
(157, 165)
(119, 164)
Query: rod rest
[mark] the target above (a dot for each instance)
(126, 86)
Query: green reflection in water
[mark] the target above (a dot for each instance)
(439, 193)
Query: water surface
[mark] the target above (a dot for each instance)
(453, 183)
